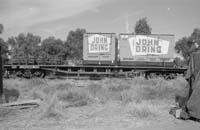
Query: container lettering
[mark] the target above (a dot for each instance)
(146, 45)
(99, 44)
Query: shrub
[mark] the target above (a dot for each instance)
(10, 95)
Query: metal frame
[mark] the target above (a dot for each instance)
(91, 71)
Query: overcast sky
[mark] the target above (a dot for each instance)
(58, 17)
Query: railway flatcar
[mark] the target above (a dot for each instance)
(105, 55)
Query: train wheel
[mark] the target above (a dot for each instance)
(27, 74)
(18, 74)
(131, 75)
(38, 74)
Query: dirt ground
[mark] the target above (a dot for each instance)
(112, 115)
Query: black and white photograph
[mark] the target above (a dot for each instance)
(99, 65)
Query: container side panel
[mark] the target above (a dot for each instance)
(148, 48)
(99, 47)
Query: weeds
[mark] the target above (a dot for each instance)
(58, 95)
(143, 111)
(51, 108)
(74, 97)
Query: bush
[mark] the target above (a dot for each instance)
(10, 95)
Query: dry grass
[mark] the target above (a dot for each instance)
(58, 95)
(142, 111)
(51, 108)
(74, 97)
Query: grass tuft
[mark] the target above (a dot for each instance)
(51, 108)
(74, 97)
(143, 111)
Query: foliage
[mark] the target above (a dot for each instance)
(30, 49)
(183, 46)
(4, 47)
(1, 28)
(53, 51)
(4, 50)
(181, 63)
(186, 45)
(74, 44)
(142, 27)
(195, 36)
(24, 47)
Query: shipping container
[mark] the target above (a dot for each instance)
(146, 50)
(99, 48)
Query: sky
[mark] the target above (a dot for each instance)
(58, 17)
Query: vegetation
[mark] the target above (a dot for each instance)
(186, 45)
(1, 28)
(74, 44)
(52, 51)
(58, 95)
(31, 49)
(142, 27)
(24, 47)
(91, 104)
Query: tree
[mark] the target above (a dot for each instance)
(4, 50)
(183, 46)
(195, 36)
(142, 27)
(74, 44)
(1, 28)
(186, 45)
(4, 47)
(53, 51)
(181, 63)
(1, 78)
(23, 47)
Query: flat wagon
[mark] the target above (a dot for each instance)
(106, 56)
